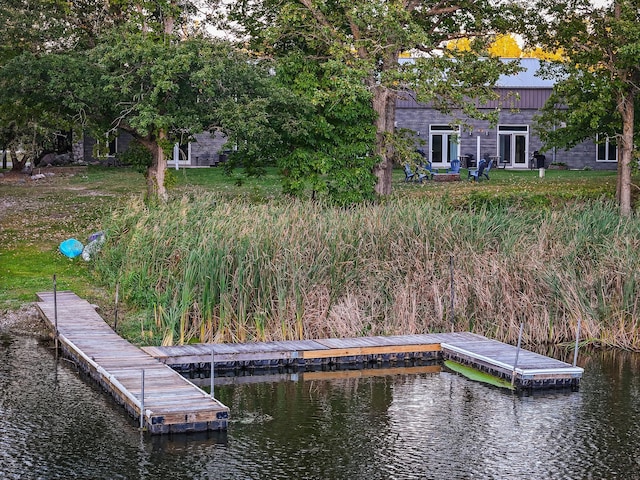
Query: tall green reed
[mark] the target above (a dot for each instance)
(233, 271)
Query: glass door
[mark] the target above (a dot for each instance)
(513, 143)
(443, 141)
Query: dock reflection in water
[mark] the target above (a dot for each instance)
(54, 424)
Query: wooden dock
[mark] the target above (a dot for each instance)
(146, 379)
(532, 370)
(136, 380)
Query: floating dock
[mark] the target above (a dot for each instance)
(525, 369)
(169, 402)
(147, 383)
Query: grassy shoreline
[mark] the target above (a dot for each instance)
(240, 263)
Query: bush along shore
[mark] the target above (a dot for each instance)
(202, 269)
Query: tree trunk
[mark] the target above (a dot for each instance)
(17, 165)
(156, 171)
(384, 104)
(625, 107)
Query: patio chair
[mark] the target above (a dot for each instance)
(482, 171)
(487, 169)
(455, 166)
(426, 173)
(408, 173)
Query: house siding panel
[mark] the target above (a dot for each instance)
(516, 108)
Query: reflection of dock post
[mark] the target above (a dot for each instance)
(515, 364)
(142, 401)
(55, 310)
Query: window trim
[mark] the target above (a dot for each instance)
(606, 149)
(450, 131)
(176, 147)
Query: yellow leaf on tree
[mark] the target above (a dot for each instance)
(505, 46)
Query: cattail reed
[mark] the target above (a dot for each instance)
(230, 271)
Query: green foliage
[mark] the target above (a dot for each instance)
(339, 51)
(170, 179)
(598, 77)
(137, 156)
(331, 140)
(127, 70)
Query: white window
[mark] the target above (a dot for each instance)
(107, 148)
(443, 144)
(606, 150)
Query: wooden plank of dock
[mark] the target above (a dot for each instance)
(171, 403)
(532, 370)
(301, 352)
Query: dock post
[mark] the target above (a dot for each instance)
(515, 364)
(453, 292)
(115, 321)
(575, 351)
(55, 309)
(212, 372)
(142, 402)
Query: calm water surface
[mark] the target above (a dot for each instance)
(56, 425)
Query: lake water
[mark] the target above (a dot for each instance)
(56, 425)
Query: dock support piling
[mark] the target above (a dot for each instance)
(55, 309)
(575, 351)
(142, 402)
(212, 372)
(453, 292)
(515, 363)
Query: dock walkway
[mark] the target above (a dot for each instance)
(532, 370)
(170, 402)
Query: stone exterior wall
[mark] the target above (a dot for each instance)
(207, 149)
(204, 151)
(86, 148)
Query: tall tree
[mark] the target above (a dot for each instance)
(31, 30)
(149, 73)
(369, 36)
(160, 89)
(599, 76)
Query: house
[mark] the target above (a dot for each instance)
(205, 150)
(512, 141)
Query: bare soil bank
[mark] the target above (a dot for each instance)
(24, 321)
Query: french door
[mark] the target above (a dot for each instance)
(513, 144)
(443, 141)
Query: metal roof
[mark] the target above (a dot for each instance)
(527, 78)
